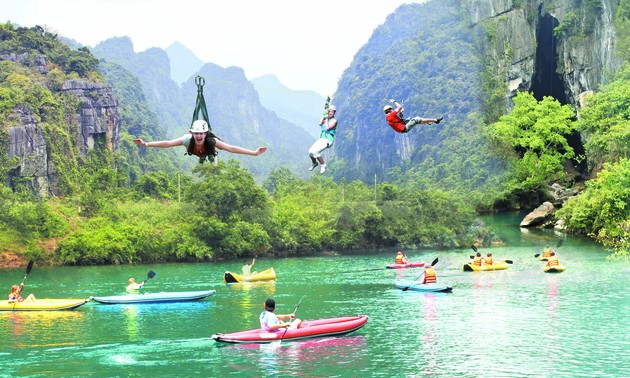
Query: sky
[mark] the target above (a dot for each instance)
(307, 44)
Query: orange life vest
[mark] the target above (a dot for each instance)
(400, 259)
(429, 276)
(546, 253)
(488, 260)
(477, 261)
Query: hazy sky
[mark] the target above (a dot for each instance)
(306, 43)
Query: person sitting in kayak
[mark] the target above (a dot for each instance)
(270, 322)
(401, 258)
(399, 123)
(134, 287)
(477, 259)
(16, 297)
(429, 275)
(546, 252)
(247, 268)
(552, 260)
(488, 259)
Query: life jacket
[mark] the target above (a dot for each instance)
(429, 276)
(400, 259)
(395, 122)
(488, 260)
(477, 261)
(328, 134)
(546, 253)
(553, 261)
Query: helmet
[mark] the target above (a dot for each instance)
(199, 126)
(387, 108)
(332, 107)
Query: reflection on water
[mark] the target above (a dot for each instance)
(131, 320)
(38, 328)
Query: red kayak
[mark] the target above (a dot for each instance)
(415, 264)
(308, 329)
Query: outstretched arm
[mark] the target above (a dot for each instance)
(159, 143)
(239, 150)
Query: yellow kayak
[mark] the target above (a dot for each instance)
(43, 305)
(554, 269)
(265, 275)
(499, 265)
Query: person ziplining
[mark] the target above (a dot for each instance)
(399, 123)
(200, 140)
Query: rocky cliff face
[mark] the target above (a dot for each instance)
(559, 48)
(97, 117)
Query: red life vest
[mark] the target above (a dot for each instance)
(395, 122)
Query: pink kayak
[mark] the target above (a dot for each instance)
(308, 329)
(415, 264)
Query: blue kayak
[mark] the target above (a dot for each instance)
(176, 296)
(430, 288)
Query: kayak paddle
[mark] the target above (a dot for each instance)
(417, 278)
(151, 274)
(294, 312)
(29, 267)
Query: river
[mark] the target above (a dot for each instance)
(517, 322)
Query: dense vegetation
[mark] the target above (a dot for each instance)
(137, 205)
(225, 215)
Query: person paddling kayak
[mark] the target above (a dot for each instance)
(16, 296)
(271, 322)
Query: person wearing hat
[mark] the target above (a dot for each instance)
(328, 124)
(271, 322)
(399, 123)
(201, 142)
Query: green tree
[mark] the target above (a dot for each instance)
(533, 140)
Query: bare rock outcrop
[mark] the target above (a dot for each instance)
(542, 216)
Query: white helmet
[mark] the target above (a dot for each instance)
(199, 126)
(333, 108)
(387, 109)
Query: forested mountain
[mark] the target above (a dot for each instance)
(184, 63)
(426, 56)
(466, 61)
(303, 108)
(236, 115)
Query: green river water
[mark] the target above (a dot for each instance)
(518, 322)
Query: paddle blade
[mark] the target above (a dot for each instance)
(537, 255)
(406, 288)
(472, 257)
(434, 262)
(474, 248)
(29, 267)
(151, 274)
(509, 262)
